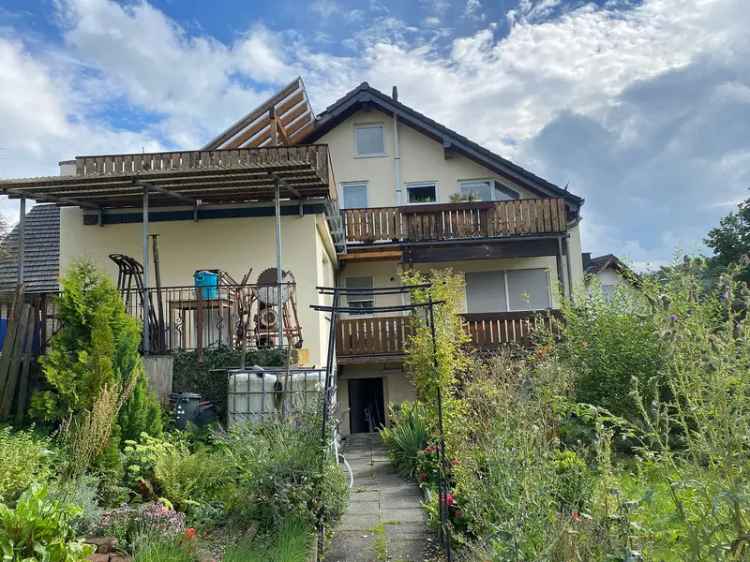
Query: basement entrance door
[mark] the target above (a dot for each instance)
(366, 405)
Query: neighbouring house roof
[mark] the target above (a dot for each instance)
(41, 252)
(592, 266)
(365, 95)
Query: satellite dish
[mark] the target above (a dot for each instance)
(267, 289)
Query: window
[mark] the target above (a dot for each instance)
(486, 190)
(421, 192)
(354, 195)
(368, 140)
(504, 291)
(528, 289)
(485, 292)
(363, 300)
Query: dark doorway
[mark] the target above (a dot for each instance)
(366, 405)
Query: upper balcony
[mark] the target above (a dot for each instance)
(196, 178)
(455, 221)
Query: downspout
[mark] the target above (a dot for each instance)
(396, 153)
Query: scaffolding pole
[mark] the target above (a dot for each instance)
(146, 311)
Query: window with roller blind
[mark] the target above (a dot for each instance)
(507, 291)
(354, 195)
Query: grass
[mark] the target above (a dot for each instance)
(291, 544)
(163, 550)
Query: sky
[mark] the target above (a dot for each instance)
(642, 107)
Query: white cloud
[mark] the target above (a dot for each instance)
(601, 73)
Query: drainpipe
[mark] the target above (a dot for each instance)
(561, 281)
(396, 153)
(569, 267)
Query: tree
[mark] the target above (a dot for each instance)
(730, 242)
(97, 346)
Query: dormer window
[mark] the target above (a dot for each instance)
(369, 140)
(486, 190)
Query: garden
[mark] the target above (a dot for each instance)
(622, 435)
(100, 472)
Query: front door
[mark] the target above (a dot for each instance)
(366, 405)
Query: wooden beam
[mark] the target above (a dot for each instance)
(381, 255)
(151, 187)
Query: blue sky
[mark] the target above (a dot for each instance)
(640, 106)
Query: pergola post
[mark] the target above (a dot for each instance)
(21, 241)
(146, 281)
(279, 275)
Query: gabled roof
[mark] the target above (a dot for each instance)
(365, 95)
(592, 266)
(41, 252)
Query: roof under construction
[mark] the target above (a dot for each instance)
(191, 177)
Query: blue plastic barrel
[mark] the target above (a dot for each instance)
(208, 283)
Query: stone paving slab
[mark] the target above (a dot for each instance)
(384, 521)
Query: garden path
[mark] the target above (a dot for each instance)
(384, 520)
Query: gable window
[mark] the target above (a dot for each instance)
(369, 140)
(507, 291)
(354, 195)
(485, 190)
(362, 300)
(423, 192)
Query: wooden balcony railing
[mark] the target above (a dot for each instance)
(454, 221)
(364, 336)
(386, 336)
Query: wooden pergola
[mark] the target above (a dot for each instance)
(194, 178)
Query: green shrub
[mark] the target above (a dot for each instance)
(573, 483)
(291, 542)
(191, 479)
(24, 459)
(280, 475)
(96, 348)
(82, 492)
(609, 344)
(40, 530)
(407, 436)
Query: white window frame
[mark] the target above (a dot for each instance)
(360, 183)
(493, 188)
(434, 184)
(507, 289)
(358, 126)
(370, 298)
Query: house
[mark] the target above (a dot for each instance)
(350, 197)
(608, 271)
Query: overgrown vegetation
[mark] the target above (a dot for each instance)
(100, 463)
(622, 436)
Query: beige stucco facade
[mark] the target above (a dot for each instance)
(232, 245)
(421, 160)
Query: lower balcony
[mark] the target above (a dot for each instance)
(361, 339)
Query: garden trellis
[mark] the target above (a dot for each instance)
(330, 388)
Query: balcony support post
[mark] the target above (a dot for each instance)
(146, 311)
(279, 273)
(21, 241)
